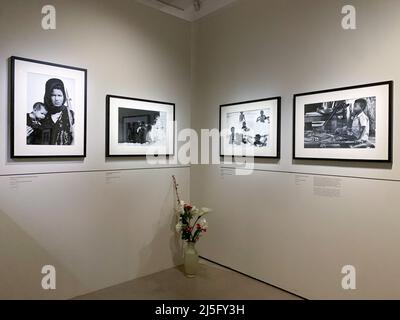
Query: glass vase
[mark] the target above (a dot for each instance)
(191, 260)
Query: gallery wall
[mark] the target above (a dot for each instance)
(100, 222)
(295, 224)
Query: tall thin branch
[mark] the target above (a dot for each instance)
(176, 189)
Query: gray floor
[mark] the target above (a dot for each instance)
(212, 283)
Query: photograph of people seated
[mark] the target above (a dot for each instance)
(142, 127)
(51, 122)
(249, 128)
(341, 124)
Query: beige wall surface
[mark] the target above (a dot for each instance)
(284, 224)
(97, 229)
(100, 222)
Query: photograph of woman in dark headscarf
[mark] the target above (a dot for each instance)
(56, 128)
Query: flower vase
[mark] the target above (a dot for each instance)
(191, 260)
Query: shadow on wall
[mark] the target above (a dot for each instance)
(21, 262)
(166, 245)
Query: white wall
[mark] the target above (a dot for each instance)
(97, 229)
(100, 222)
(272, 225)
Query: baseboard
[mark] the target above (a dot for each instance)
(246, 275)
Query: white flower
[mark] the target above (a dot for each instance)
(204, 211)
(180, 209)
(195, 210)
(178, 227)
(203, 223)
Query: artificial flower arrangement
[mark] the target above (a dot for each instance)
(191, 221)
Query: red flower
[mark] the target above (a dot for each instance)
(198, 226)
(188, 207)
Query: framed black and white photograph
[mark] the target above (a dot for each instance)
(48, 109)
(137, 127)
(352, 123)
(251, 128)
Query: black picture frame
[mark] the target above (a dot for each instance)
(278, 125)
(13, 84)
(389, 156)
(111, 155)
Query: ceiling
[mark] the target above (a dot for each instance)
(185, 9)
